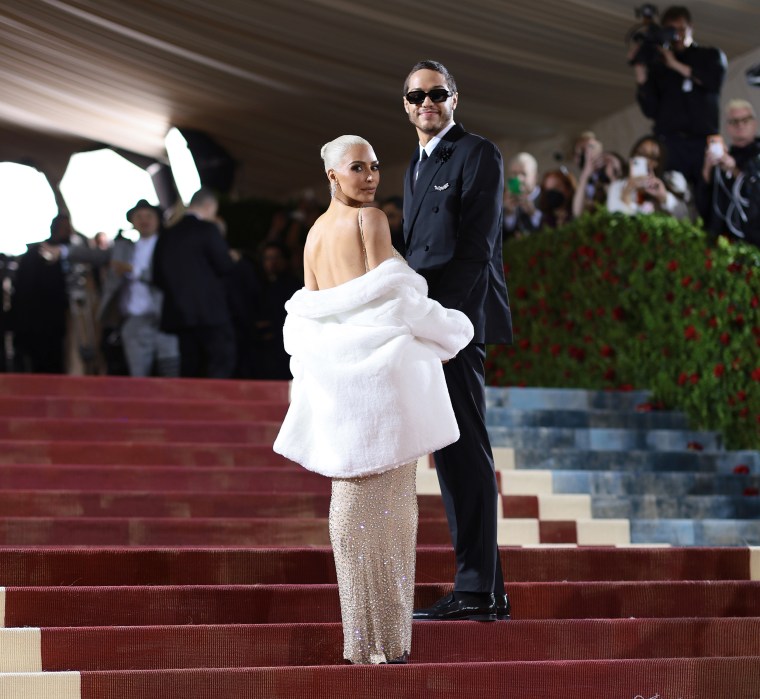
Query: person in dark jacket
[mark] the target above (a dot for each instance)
(190, 263)
(680, 91)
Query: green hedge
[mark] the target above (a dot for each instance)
(617, 302)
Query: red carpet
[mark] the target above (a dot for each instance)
(152, 546)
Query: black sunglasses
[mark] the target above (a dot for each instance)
(438, 94)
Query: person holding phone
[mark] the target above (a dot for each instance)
(728, 196)
(521, 213)
(644, 191)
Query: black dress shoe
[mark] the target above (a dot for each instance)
(503, 607)
(460, 605)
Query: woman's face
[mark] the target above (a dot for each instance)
(651, 151)
(358, 174)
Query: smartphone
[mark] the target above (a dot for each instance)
(513, 185)
(716, 146)
(639, 166)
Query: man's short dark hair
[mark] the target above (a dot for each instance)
(396, 200)
(676, 12)
(283, 249)
(438, 68)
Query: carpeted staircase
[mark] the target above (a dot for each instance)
(152, 546)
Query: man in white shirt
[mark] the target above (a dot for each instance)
(130, 301)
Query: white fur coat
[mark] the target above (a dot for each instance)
(369, 392)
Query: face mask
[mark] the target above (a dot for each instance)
(554, 199)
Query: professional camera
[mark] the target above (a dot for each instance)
(649, 35)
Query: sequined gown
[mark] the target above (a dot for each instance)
(373, 530)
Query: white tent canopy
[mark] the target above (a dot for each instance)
(272, 81)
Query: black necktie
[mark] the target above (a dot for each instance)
(418, 169)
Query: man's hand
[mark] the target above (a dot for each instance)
(725, 162)
(670, 60)
(51, 253)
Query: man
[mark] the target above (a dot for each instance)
(521, 214)
(728, 195)
(393, 207)
(680, 91)
(452, 237)
(130, 301)
(190, 263)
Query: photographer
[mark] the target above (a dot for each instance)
(679, 87)
(728, 195)
(521, 213)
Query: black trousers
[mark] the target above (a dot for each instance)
(207, 351)
(468, 479)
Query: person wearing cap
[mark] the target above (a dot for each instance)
(130, 300)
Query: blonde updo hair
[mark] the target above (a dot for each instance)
(332, 153)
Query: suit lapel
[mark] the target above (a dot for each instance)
(422, 185)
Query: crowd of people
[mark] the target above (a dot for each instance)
(176, 301)
(682, 169)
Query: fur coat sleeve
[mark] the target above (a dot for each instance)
(369, 392)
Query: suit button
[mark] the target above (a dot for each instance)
(435, 209)
(427, 247)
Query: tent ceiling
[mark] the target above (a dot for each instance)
(271, 81)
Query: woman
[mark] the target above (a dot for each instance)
(646, 192)
(556, 199)
(368, 398)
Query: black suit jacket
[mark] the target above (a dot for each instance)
(190, 262)
(452, 231)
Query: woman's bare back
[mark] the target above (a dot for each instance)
(333, 253)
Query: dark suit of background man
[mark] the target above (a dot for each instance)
(190, 262)
(452, 236)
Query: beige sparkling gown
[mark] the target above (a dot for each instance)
(373, 530)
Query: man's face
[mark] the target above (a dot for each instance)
(522, 170)
(274, 262)
(429, 117)
(684, 34)
(145, 222)
(741, 127)
(394, 215)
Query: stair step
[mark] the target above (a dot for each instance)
(138, 388)
(93, 566)
(675, 484)
(636, 461)
(666, 507)
(703, 532)
(137, 453)
(580, 419)
(142, 431)
(602, 439)
(109, 408)
(666, 677)
(564, 399)
(268, 604)
(273, 645)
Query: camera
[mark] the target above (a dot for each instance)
(649, 35)
(753, 75)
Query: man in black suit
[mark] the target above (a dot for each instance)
(452, 236)
(189, 264)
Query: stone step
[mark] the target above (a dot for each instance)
(564, 399)
(600, 439)
(515, 417)
(669, 507)
(702, 532)
(674, 484)
(635, 461)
